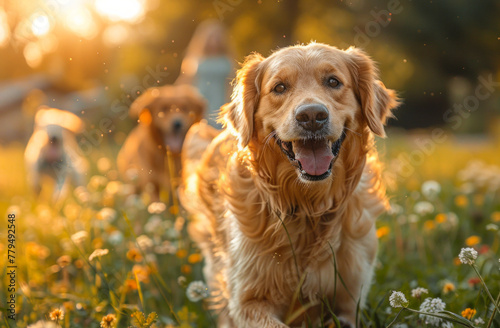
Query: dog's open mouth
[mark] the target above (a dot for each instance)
(313, 157)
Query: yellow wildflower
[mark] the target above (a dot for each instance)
(195, 258)
(495, 216)
(448, 287)
(461, 201)
(441, 218)
(383, 231)
(472, 240)
(56, 315)
(108, 321)
(429, 225)
(468, 313)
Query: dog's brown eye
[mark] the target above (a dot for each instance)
(333, 82)
(280, 88)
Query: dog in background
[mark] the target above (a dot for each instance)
(286, 198)
(164, 114)
(52, 155)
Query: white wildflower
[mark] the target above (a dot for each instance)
(196, 291)
(432, 305)
(491, 227)
(166, 247)
(413, 218)
(157, 207)
(98, 253)
(398, 299)
(423, 208)
(115, 237)
(79, 237)
(417, 292)
(430, 189)
(468, 255)
(479, 321)
(395, 209)
(44, 324)
(154, 224)
(106, 214)
(144, 242)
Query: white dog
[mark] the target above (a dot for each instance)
(53, 152)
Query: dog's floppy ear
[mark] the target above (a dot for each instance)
(140, 106)
(376, 100)
(237, 115)
(53, 116)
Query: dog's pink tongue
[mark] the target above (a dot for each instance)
(314, 156)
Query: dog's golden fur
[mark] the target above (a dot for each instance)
(260, 223)
(164, 114)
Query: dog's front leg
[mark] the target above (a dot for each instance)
(255, 314)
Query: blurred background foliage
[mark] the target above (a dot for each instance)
(83, 55)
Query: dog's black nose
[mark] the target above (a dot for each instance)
(177, 125)
(312, 117)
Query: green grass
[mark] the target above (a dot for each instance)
(54, 270)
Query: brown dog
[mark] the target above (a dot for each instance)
(165, 115)
(285, 199)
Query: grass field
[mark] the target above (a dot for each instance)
(105, 252)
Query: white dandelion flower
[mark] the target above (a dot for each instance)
(417, 292)
(423, 208)
(433, 305)
(196, 291)
(398, 299)
(468, 255)
(98, 253)
(430, 189)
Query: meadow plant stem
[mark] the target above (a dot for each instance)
(490, 322)
(396, 318)
(495, 303)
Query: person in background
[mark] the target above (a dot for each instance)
(208, 66)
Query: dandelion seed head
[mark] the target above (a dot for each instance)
(423, 208)
(468, 256)
(431, 189)
(196, 291)
(398, 299)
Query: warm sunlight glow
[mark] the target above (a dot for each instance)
(115, 35)
(121, 10)
(80, 21)
(40, 24)
(33, 54)
(4, 29)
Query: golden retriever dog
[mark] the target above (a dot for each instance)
(164, 114)
(52, 153)
(284, 200)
